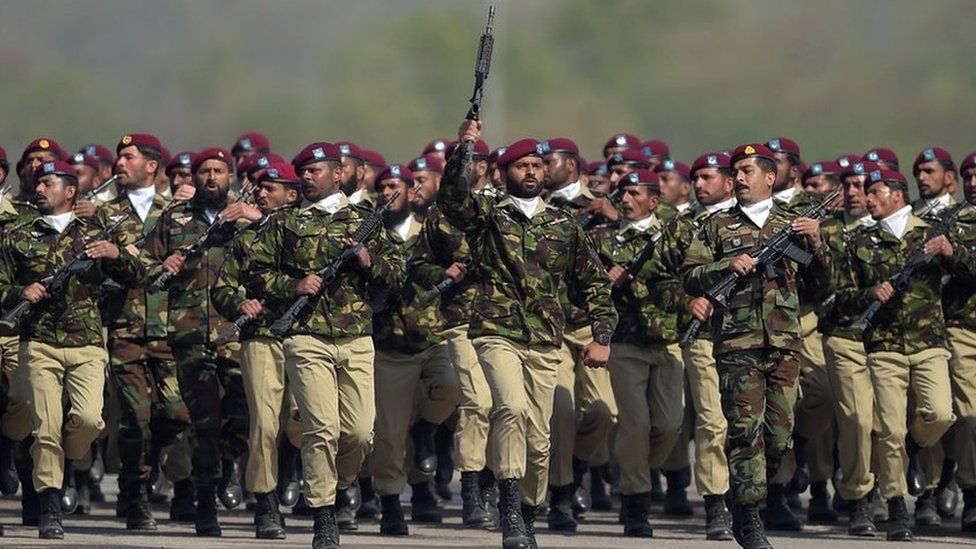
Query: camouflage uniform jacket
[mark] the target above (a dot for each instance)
(13, 213)
(442, 244)
(302, 242)
(762, 313)
(134, 313)
(921, 208)
(191, 318)
(838, 230)
(575, 316)
(70, 318)
(910, 321)
(959, 292)
(523, 264)
(402, 325)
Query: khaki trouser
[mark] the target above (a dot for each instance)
(815, 409)
(522, 381)
(962, 368)
(16, 423)
(429, 377)
(926, 375)
(471, 434)
(79, 371)
(333, 386)
(269, 404)
(648, 383)
(850, 383)
(711, 466)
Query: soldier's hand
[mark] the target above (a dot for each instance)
(701, 308)
(240, 210)
(456, 272)
(133, 251)
(884, 291)
(595, 355)
(470, 130)
(174, 264)
(810, 229)
(252, 308)
(939, 245)
(310, 285)
(35, 292)
(102, 249)
(184, 193)
(742, 264)
(84, 208)
(619, 276)
(602, 207)
(362, 255)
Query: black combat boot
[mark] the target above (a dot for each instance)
(206, 523)
(657, 487)
(718, 519)
(474, 512)
(267, 516)
(423, 504)
(444, 443)
(778, 514)
(969, 510)
(676, 498)
(529, 514)
(370, 508)
(8, 475)
(925, 512)
(229, 488)
(83, 493)
(325, 530)
(489, 495)
(635, 508)
(49, 522)
(600, 488)
(561, 509)
(581, 496)
(424, 453)
(862, 519)
(346, 504)
(181, 508)
(289, 474)
(30, 501)
(138, 516)
(899, 521)
(514, 534)
(820, 509)
(747, 527)
(914, 476)
(392, 522)
(69, 495)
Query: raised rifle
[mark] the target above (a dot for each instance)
(330, 272)
(56, 282)
(779, 245)
(481, 67)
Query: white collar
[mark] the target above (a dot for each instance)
(641, 225)
(141, 200)
(683, 207)
(942, 202)
(402, 229)
(330, 204)
(529, 206)
(356, 197)
(569, 192)
(896, 222)
(721, 206)
(786, 195)
(758, 212)
(867, 221)
(211, 214)
(60, 221)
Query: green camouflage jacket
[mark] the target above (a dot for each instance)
(442, 244)
(837, 230)
(191, 319)
(959, 291)
(134, 313)
(13, 213)
(928, 213)
(523, 264)
(302, 242)
(911, 321)
(762, 313)
(35, 250)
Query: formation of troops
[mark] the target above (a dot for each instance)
(316, 334)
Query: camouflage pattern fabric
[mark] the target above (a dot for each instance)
(959, 292)
(442, 244)
(837, 231)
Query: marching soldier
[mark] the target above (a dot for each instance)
(527, 251)
(883, 157)
(757, 338)
(788, 169)
(354, 175)
(657, 153)
(935, 174)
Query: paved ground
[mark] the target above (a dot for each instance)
(102, 529)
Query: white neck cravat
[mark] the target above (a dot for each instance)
(758, 212)
(867, 221)
(60, 221)
(141, 200)
(402, 229)
(641, 225)
(896, 222)
(357, 196)
(786, 195)
(329, 204)
(527, 205)
(683, 207)
(721, 206)
(569, 192)
(941, 203)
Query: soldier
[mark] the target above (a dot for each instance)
(907, 349)
(210, 378)
(657, 153)
(438, 148)
(427, 173)
(884, 157)
(247, 145)
(328, 353)
(61, 344)
(38, 151)
(354, 175)
(527, 251)
(179, 171)
(675, 184)
(106, 160)
(619, 143)
(757, 338)
(935, 174)
(788, 170)
(597, 178)
(645, 364)
(619, 164)
(374, 164)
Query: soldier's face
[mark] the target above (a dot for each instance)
(820, 184)
(524, 177)
(52, 195)
(370, 171)
(786, 172)
(882, 201)
(212, 180)
(352, 173)
(712, 186)
(86, 178)
(36, 158)
(385, 190)
(854, 196)
(320, 179)
(599, 184)
(618, 172)
(968, 187)
(933, 179)
(272, 195)
(497, 180)
(557, 170)
(133, 168)
(752, 184)
(674, 188)
(425, 187)
(638, 202)
(655, 162)
(180, 176)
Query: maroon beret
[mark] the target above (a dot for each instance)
(888, 176)
(597, 168)
(559, 144)
(677, 167)
(881, 154)
(801, 166)
(438, 145)
(968, 162)
(396, 171)
(181, 160)
(139, 140)
(628, 156)
(628, 140)
(57, 167)
(655, 147)
(43, 144)
(279, 172)
(481, 148)
(427, 163)
(749, 150)
(374, 158)
(643, 178)
(3, 155)
(251, 141)
(519, 149)
(493, 157)
(930, 154)
(822, 168)
(847, 159)
(100, 152)
(319, 151)
(710, 160)
(164, 156)
(212, 153)
(259, 161)
(863, 167)
(82, 158)
(784, 145)
(350, 149)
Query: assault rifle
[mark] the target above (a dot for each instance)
(91, 194)
(635, 265)
(481, 67)
(430, 295)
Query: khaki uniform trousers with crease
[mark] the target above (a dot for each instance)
(53, 373)
(850, 383)
(430, 379)
(332, 381)
(16, 421)
(962, 369)
(473, 423)
(648, 383)
(711, 466)
(815, 409)
(895, 376)
(522, 381)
